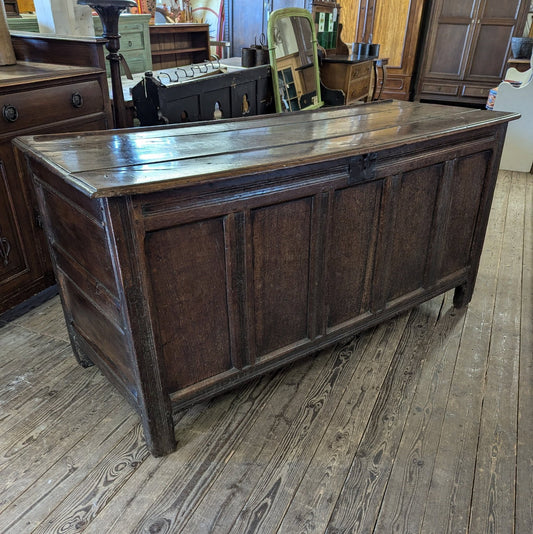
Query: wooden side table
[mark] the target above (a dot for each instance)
(350, 74)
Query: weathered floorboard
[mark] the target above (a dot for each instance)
(405, 498)
(313, 502)
(371, 466)
(71, 472)
(448, 501)
(228, 417)
(493, 498)
(524, 454)
(251, 457)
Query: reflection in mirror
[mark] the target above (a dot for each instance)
(293, 56)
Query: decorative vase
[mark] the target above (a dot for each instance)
(521, 47)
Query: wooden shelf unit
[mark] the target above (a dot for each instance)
(178, 44)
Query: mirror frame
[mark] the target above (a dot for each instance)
(274, 17)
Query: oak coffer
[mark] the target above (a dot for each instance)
(192, 258)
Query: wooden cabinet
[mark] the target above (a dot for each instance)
(352, 76)
(467, 47)
(179, 44)
(242, 93)
(228, 249)
(38, 98)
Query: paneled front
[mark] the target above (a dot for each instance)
(351, 252)
(188, 274)
(268, 270)
(462, 217)
(280, 239)
(410, 226)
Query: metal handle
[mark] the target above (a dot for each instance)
(76, 100)
(10, 113)
(5, 249)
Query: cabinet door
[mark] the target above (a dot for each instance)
(493, 24)
(396, 27)
(20, 253)
(453, 31)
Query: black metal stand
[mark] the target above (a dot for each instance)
(109, 12)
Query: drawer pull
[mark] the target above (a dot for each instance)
(76, 100)
(5, 249)
(10, 113)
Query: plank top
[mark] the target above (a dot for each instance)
(144, 160)
(28, 72)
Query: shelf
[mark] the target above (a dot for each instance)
(177, 51)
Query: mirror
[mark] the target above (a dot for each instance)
(294, 60)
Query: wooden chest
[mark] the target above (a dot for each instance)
(191, 259)
(232, 94)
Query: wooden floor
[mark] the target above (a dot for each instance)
(423, 424)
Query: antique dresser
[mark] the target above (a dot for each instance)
(193, 258)
(57, 85)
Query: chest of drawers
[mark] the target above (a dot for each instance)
(352, 76)
(38, 97)
(134, 37)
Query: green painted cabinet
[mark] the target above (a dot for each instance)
(134, 41)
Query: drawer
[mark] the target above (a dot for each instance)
(131, 26)
(28, 109)
(440, 89)
(360, 69)
(476, 91)
(358, 89)
(131, 41)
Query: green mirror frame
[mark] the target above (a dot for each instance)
(273, 23)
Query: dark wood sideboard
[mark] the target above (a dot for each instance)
(227, 249)
(57, 85)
